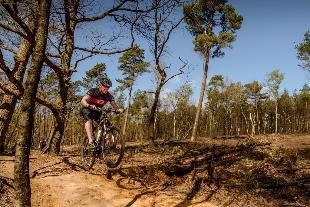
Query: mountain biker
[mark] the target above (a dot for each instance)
(96, 98)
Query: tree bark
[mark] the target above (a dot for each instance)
(210, 124)
(6, 113)
(9, 101)
(21, 168)
(71, 9)
(127, 111)
(151, 130)
(174, 124)
(252, 119)
(202, 91)
(276, 129)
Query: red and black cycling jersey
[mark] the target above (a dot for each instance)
(99, 99)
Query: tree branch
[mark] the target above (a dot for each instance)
(121, 9)
(8, 73)
(79, 60)
(3, 66)
(94, 52)
(54, 67)
(45, 103)
(56, 47)
(10, 91)
(53, 55)
(19, 94)
(180, 71)
(14, 31)
(173, 27)
(97, 52)
(17, 19)
(2, 46)
(101, 16)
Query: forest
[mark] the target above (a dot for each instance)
(43, 44)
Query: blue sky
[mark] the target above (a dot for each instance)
(266, 41)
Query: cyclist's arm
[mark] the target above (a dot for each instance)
(85, 100)
(114, 105)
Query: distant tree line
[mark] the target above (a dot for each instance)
(231, 109)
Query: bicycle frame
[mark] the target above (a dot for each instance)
(109, 143)
(104, 125)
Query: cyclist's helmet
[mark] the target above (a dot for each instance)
(106, 81)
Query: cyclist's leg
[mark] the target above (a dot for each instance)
(89, 130)
(87, 115)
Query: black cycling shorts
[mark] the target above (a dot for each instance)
(89, 114)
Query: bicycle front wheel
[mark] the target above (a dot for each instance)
(87, 155)
(113, 148)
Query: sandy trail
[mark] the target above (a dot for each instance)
(61, 182)
(78, 189)
(54, 184)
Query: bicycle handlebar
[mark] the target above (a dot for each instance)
(106, 110)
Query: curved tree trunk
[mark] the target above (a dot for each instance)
(54, 137)
(54, 141)
(8, 103)
(64, 74)
(6, 113)
(60, 129)
(151, 121)
(21, 168)
(202, 91)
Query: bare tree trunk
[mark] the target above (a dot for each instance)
(252, 119)
(246, 121)
(265, 122)
(276, 130)
(207, 120)
(203, 88)
(21, 168)
(51, 142)
(230, 123)
(210, 124)
(140, 130)
(307, 118)
(127, 111)
(60, 130)
(155, 122)
(174, 125)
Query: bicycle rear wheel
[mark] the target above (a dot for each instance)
(87, 155)
(113, 148)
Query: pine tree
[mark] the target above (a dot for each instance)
(303, 51)
(94, 75)
(132, 65)
(213, 24)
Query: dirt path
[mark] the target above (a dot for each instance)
(57, 184)
(59, 181)
(79, 189)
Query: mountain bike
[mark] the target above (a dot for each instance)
(108, 140)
